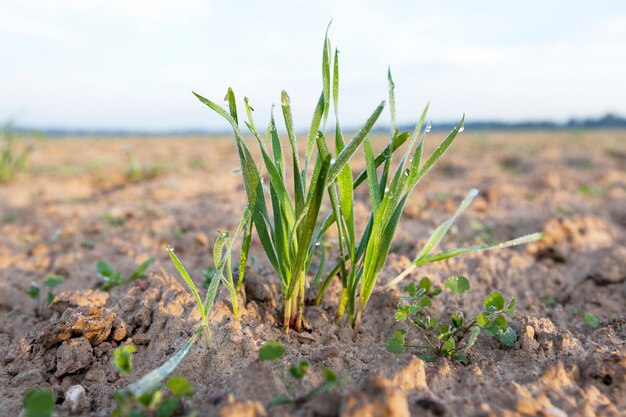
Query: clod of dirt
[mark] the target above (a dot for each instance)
(258, 290)
(85, 298)
(245, 384)
(95, 324)
(377, 398)
(73, 356)
(75, 399)
(435, 407)
(537, 332)
(610, 267)
(563, 237)
(233, 408)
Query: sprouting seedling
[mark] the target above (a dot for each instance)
(222, 259)
(388, 195)
(39, 403)
(114, 278)
(591, 320)
(455, 337)
(50, 282)
(204, 307)
(273, 351)
(123, 359)
(288, 236)
(144, 397)
(12, 159)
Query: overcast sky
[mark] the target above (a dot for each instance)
(133, 63)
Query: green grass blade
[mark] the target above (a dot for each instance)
(315, 125)
(190, 284)
(372, 178)
(380, 158)
(326, 64)
(138, 272)
(152, 380)
(232, 104)
(437, 153)
(443, 228)
(298, 179)
(392, 101)
(453, 253)
(347, 152)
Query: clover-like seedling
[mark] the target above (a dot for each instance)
(591, 320)
(272, 351)
(455, 337)
(50, 282)
(123, 359)
(38, 403)
(113, 278)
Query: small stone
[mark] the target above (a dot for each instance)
(553, 412)
(236, 339)
(75, 399)
(29, 378)
(377, 398)
(73, 356)
(526, 406)
(201, 239)
(325, 353)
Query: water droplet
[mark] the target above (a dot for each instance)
(236, 171)
(428, 127)
(318, 244)
(407, 172)
(461, 129)
(386, 190)
(170, 248)
(332, 161)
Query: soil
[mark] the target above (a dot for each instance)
(76, 205)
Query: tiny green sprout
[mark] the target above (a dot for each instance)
(455, 337)
(113, 278)
(299, 370)
(395, 344)
(271, 351)
(591, 320)
(51, 282)
(123, 359)
(180, 386)
(39, 403)
(34, 291)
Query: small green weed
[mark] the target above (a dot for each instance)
(39, 403)
(455, 337)
(50, 282)
(113, 278)
(273, 351)
(591, 320)
(113, 221)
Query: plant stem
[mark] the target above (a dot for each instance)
(207, 335)
(425, 335)
(343, 302)
(286, 313)
(298, 323)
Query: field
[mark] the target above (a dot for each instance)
(124, 200)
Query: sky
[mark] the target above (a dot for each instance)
(132, 64)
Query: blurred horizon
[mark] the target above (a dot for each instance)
(130, 66)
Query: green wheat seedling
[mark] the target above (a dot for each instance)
(50, 283)
(288, 235)
(113, 278)
(360, 264)
(12, 158)
(455, 337)
(273, 351)
(222, 259)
